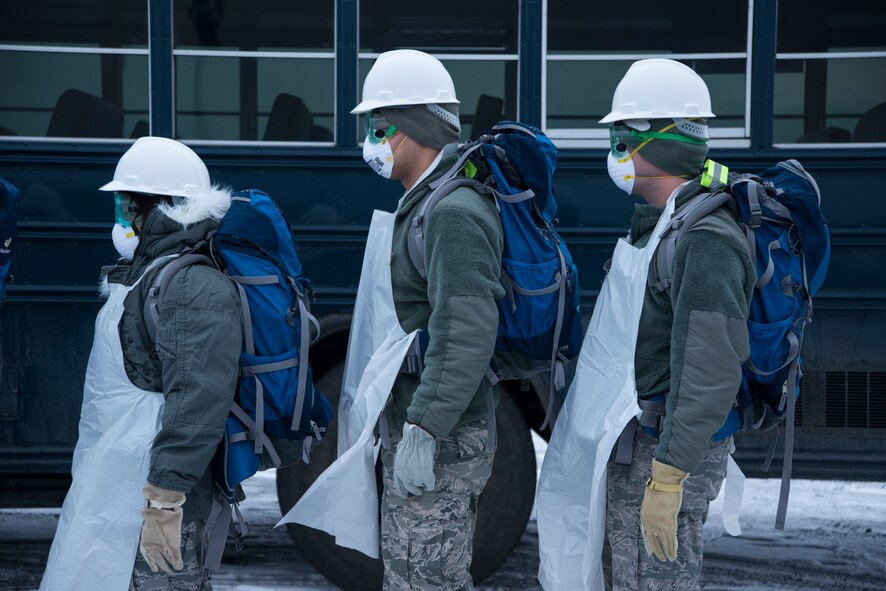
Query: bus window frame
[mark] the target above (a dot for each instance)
(286, 55)
(72, 50)
(824, 55)
(725, 137)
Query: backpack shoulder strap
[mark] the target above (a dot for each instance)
(161, 284)
(440, 188)
(699, 207)
(416, 240)
(715, 177)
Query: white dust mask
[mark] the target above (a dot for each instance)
(379, 157)
(622, 172)
(125, 240)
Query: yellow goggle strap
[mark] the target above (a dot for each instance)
(648, 136)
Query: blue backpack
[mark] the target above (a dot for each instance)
(790, 244)
(277, 415)
(8, 231)
(539, 327)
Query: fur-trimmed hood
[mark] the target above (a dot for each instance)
(189, 210)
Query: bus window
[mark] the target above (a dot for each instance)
(590, 45)
(258, 70)
(476, 41)
(830, 76)
(75, 70)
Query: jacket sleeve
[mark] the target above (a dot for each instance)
(198, 342)
(463, 254)
(713, 279)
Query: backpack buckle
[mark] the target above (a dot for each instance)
(756, 216)
(412, 365)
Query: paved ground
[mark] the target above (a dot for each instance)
(835, 541)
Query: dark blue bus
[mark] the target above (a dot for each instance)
(262, 90)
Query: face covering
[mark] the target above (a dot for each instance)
(378, 156)
(621, 171)
(125, 240)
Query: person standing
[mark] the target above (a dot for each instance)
(439, 458)
(692, 338)
(672, 352)
(153, 409)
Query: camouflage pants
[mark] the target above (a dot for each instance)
(191, 578)
(427, 540)
(626, 566)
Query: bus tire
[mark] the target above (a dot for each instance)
(503, 509)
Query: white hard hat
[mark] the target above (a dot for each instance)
(160, 166)
(406, 77)
(659, 89)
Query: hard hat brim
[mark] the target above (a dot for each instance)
(371, 105)
(142, 189)
(116, 186)
(619, 116)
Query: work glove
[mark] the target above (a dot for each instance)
(414, 461)
(160, 542)
(658, 513)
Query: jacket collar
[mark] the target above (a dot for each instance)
(646, 216)
(420, 190)
(159, 236)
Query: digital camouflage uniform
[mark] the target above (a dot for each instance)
(192, 577)
(427, 540)
(623, 550)
(691, 343)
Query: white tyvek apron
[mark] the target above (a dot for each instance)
(571, 496)
(343, 501)
(100, 522)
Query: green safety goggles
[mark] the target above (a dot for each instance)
(621, 137)
(375, 130)
(125, 209)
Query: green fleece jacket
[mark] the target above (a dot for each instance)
(194, 361)
(693, 337)
(456, 305)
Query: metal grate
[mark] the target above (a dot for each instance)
(855, 399)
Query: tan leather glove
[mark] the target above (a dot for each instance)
(160, 542)
(658, 514)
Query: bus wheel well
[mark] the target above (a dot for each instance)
(332, 346)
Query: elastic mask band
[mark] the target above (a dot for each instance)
(648, 136)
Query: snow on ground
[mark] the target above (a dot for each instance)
(835, 540)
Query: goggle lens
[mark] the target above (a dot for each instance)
(125, 210)
(618, 135)
(378, 135)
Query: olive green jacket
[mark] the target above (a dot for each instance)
(456, 305)
(194, 361)
(693, 337)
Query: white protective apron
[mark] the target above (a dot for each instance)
(343, 501)
(571, 496)
(100, 522)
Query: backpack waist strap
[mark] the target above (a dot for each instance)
(652, 414)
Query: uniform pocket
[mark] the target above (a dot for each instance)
(424, 564)
(472, 443)
(464, 462)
